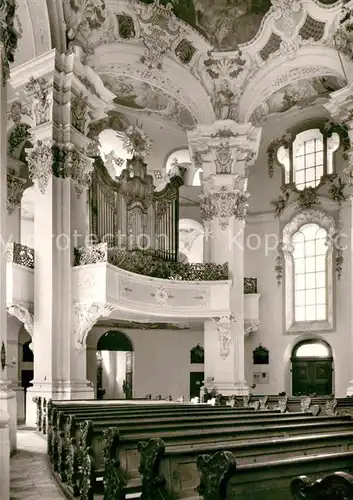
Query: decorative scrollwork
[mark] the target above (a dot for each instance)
(88, 474)
(330, 407)
(114, 479)
(214, 471)
(20, 254)
(337, 486)
(151, 453)
(8, 36)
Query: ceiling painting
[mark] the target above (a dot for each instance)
(143, 97)
(225, 23)
(302, 93)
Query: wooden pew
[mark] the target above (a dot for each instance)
(92, 441)
(172, 471)
(67, 428)
(63, 431)
(338, 485)
(222, 478)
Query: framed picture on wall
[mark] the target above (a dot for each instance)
(261, 356)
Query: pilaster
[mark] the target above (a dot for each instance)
(225, 150)
(63, 100)
(8, 412)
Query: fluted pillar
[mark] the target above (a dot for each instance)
(225, 149)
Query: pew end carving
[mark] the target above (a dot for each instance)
(214, 471)
(337, 486)
(151, 454)
(114, 479)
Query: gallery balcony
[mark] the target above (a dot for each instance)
(19, 275)
(154, 289)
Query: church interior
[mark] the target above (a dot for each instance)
(176, 273)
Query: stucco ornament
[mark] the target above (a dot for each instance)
(79, 168)
(223, 72)
(84, 316)
(348, 170)
(40, 162)
(24, 315)
(79, 112)
(15, 189)
(136, 142)
(224, 203)
(38, 89)
(161, 296)
(8, 36)
(82, 17)
(285, 10)
(224, 326)
(343, 37)
(159, 31)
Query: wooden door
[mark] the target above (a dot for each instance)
(196, 379)
(311, 376)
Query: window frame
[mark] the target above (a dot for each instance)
(326, 222)
(286, 150)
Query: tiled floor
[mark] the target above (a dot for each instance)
(30, 475)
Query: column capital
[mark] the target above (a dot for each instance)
(62, 161)
(225, 147)
(15, 189)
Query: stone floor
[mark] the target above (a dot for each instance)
(30, 474)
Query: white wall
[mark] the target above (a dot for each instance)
(260, 263)
(161, 360)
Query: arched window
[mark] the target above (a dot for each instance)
(312, 349)
(308, 157)
(181, 158)
(309, 255)
(308, 271)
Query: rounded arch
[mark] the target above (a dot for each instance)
(275, 75)
(115, 340)
(312, 348)
(288, 352)
(309, 216)
(173, 79)
(311, 361)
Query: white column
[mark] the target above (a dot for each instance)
(7, 396)
(226, 149)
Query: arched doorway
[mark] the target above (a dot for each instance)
(312, 366)
(114, 366)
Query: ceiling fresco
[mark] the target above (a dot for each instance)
(136, 94)
(302, 93)
(141, 96)
(225, 23)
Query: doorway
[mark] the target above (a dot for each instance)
(196, 381)
(312, 366)
(114, 366)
